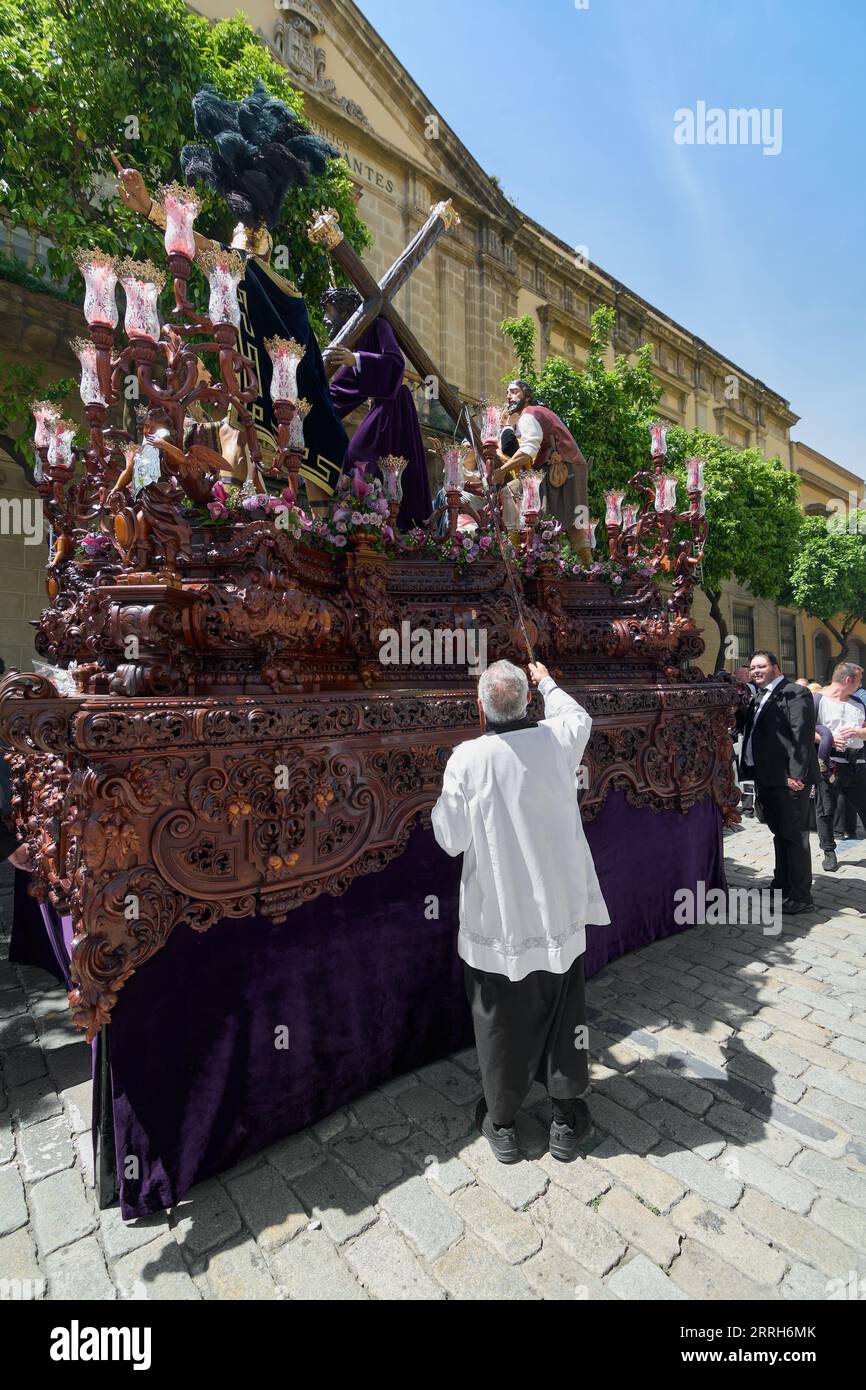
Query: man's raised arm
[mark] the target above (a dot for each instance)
(569, 720)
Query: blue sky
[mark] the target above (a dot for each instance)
(760, 255)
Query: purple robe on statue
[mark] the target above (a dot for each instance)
(391, 426)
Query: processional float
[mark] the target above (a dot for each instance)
(229, 740)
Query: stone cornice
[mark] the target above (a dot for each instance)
(477, 199)
(389, 81)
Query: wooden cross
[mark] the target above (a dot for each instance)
(377, 297)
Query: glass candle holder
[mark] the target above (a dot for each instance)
(60, 447)
(695, 474)
(613, 508)
(453, 470)
(142, 283)
(531, 480)
(490, 427)
(89, 388)
(666, 493)
(181, 206)
(297, 443)
(224, 270)
(392, 466)
(46, 414)
(629, 515)
(658, 440)
(100, 281)
(285, 354)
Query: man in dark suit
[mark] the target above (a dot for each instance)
(780, 756)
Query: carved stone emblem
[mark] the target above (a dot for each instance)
(293, 40)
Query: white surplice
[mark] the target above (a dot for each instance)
(509, 806)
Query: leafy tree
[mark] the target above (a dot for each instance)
(752, 507)
(85, 77)
(754, 519)
(80, 78)
(828, 574)
(21, 383)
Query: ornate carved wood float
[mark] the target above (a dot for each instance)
(263, 753)
(235, 742)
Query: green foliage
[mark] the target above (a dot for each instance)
(85, 77)
(752, 503)
(20, 383)
(828, 574)
(607, 409)
(752, 510)
(13, 269)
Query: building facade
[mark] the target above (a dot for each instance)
(498, 263)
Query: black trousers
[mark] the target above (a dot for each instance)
(786, 814)
(529, 1030)
(849, 788)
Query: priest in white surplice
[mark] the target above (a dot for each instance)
(509, 806)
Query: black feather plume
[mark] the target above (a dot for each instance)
(262, 150)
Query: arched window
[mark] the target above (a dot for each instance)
(822, 657)
(857, 651)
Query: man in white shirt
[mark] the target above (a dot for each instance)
(844, 717)
(509, 806)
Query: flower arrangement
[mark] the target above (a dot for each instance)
(547, 545)
(614, 572)
(91, 546)
(462, 548)
(230, 503)
(360, 509)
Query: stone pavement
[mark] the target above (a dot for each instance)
(727, 1160)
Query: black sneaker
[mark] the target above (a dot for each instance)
(502, 1139)
(830, 863)
(565, 1138)
(792, 907)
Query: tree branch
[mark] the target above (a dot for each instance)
(10, 445)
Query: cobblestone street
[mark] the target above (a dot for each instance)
(727, 1158)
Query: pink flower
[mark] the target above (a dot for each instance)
(217, 510)
(357, 519)
(485, 542)
(617, 579)
(339, 540)
(342, 513)
(359, 484)
(219, 493)
(388, 533)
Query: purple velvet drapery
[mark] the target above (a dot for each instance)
(368, 985)
(391, 425)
